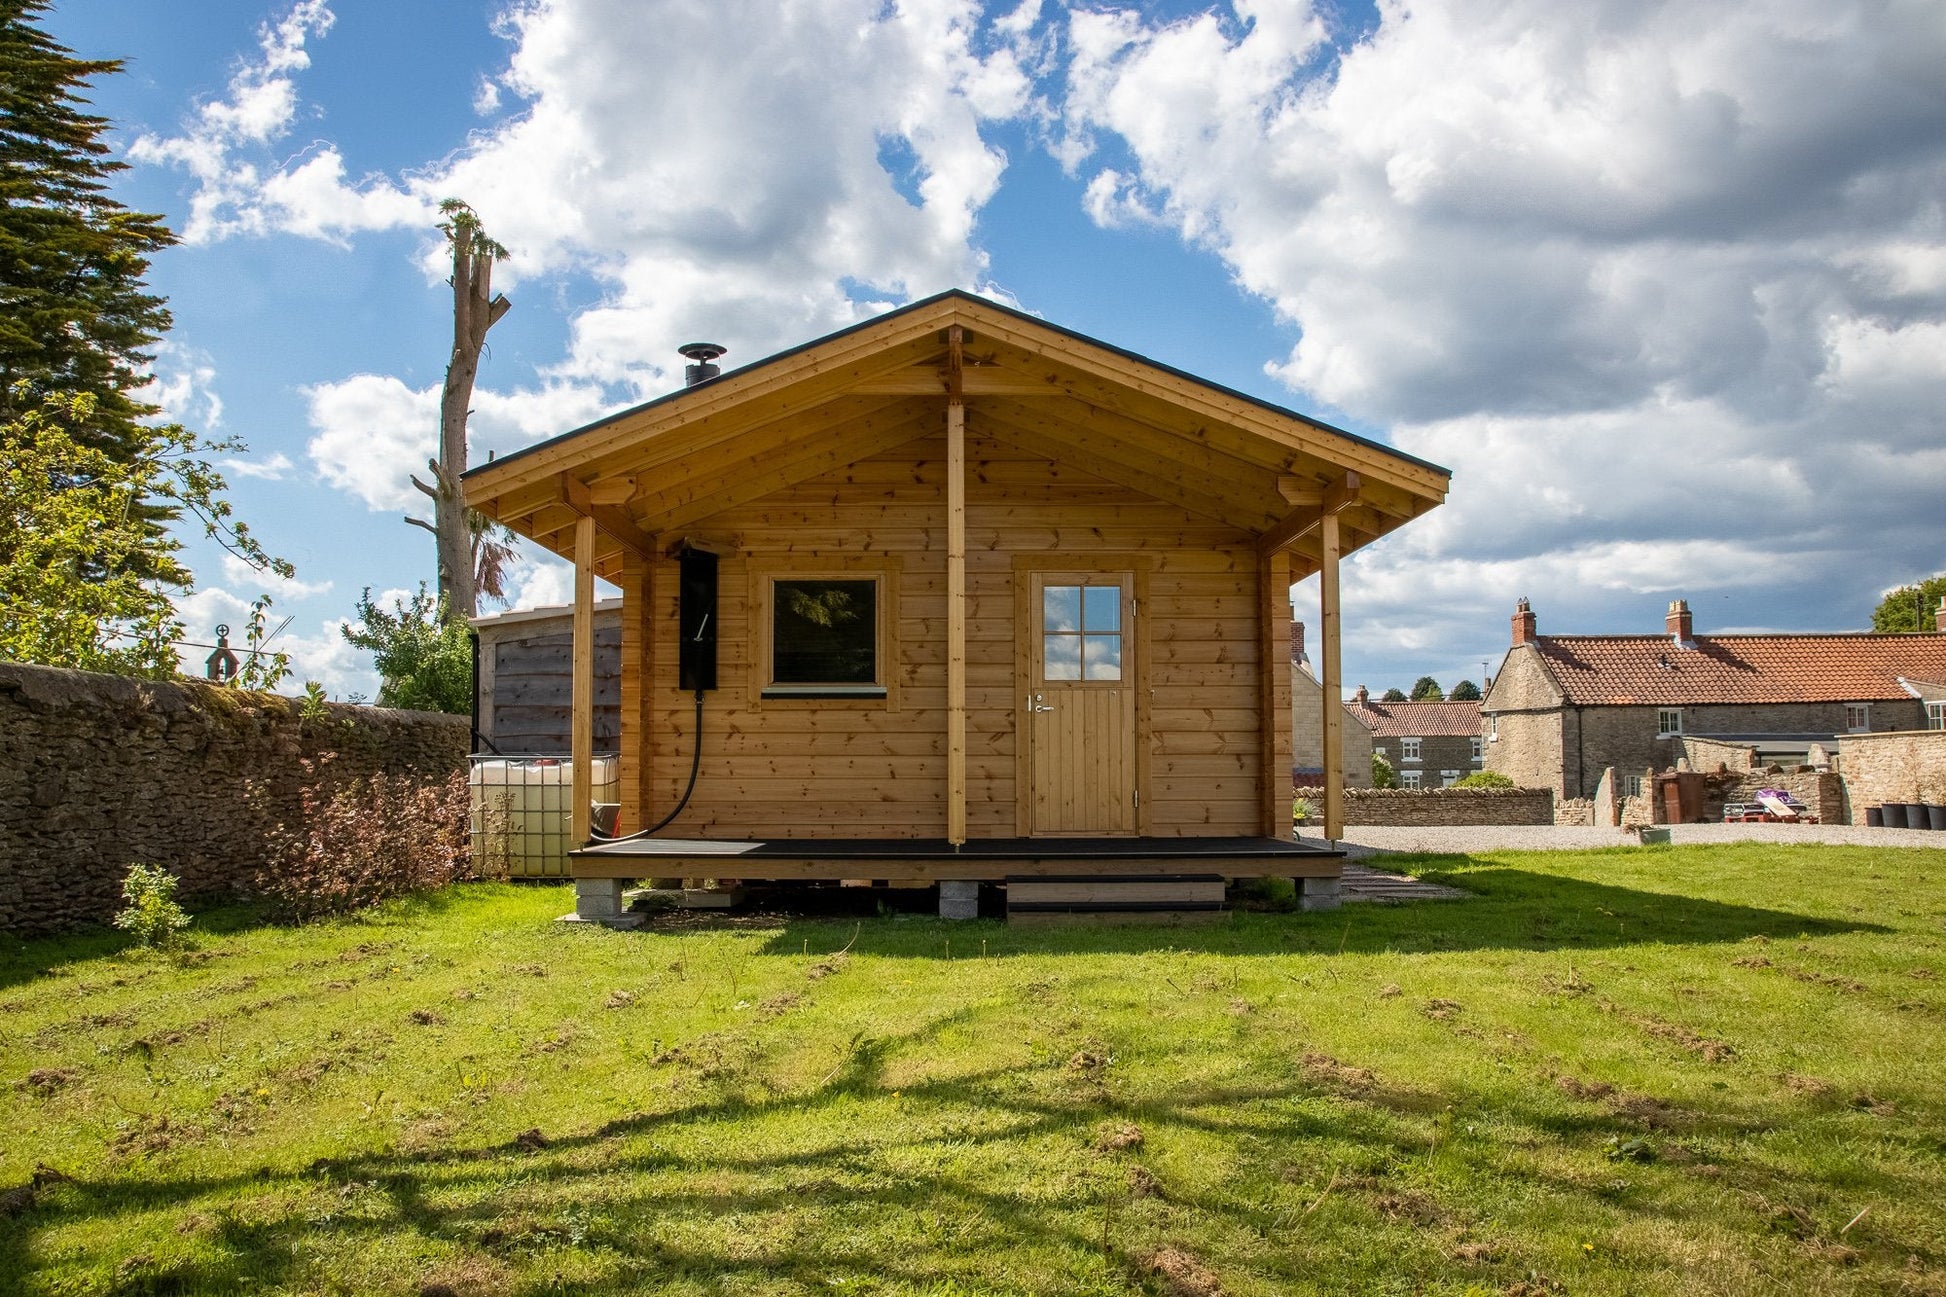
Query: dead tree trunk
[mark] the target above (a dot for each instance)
(475, 310)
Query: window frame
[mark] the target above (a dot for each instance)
(1410, 749)
(1863, 712)
(1663, 728)
(1410, 778)
(767, 691)
(1936, 714)
(1479, 746)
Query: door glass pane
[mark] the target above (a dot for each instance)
(1061, 656)
(1061, 608)
(1103, 657)
(1102, 608)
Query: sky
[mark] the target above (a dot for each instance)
(1664, 284)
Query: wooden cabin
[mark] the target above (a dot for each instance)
(955, 595)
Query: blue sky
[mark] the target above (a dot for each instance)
(1678, 327)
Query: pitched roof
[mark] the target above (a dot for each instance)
(1418, 720)
(1620, 670)
(662, 468)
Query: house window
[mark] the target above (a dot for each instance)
(1858, 718)
(1493, 729)
(1479, 749)
(1081, 632)
(1447, 778)
(1408, 749)
(1936, 716)
(1635, 785)
(1409, 778)
(1668, 721)
(825, 637)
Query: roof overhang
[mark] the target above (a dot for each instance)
(651, 473)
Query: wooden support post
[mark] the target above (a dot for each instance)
(638, 689)
(582, 702)
(955, 592)
(1332, 683)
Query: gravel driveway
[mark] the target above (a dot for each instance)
(1360, 841)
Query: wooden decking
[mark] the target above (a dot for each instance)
(931, 860)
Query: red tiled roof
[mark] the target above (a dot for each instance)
(1417, 720)
(1619, 670)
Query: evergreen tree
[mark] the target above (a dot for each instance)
(1464, 692)
(1393, 695)
(1426, 690)
(76, 318)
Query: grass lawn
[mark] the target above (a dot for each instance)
(1645, 1070)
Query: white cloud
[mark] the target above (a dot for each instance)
(183, 385)
(373, 431)
(1674, 321)
(274, 469)
(239, 574)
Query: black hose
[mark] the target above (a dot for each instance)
(695, 765)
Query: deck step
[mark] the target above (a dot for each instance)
(1133, 898)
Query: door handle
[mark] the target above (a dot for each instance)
(1036, 703)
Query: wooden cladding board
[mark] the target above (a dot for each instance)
(526, 679)
(780, 768)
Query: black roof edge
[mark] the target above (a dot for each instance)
(988, 302)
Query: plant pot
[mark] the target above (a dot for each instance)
(1936, 817)
(1874, 817)
(1899, 815)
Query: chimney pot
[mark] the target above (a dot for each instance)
(1523, 624)
(1680, 625)
(1363, 697)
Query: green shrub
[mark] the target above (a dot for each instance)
(1383, 775)
(1486, 779)
(151, 916)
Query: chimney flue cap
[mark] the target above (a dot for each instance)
(701, 354)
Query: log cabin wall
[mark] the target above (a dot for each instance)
(867, 768)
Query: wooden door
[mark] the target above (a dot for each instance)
(1079, 703)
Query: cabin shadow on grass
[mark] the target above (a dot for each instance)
(1510, 909)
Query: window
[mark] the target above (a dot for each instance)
(1408, 778)
(825, 637)
(1493, 729)
(1447, 778)
(1479, 749)
(1936, 716)
(1668, 720)
(1408, 749)
(1635, 785)
(1858, 718)
(1081, 632)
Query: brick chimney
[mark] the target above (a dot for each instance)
(1297, 642)
(1523, 624)
(1362, 698)
(1680, 625)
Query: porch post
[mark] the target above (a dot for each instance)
(1332, 683)
(955, 592)
(582, 705)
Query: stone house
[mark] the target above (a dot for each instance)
(1430, 744)
(1307, 727)
(1565, 708)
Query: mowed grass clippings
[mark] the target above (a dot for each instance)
(1655, 1070)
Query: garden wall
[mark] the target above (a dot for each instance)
(1909, 766)
(1431, 807)
(101, 772)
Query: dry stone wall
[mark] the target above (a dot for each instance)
(101, 772)
(1431, 807)
(1905, 767)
